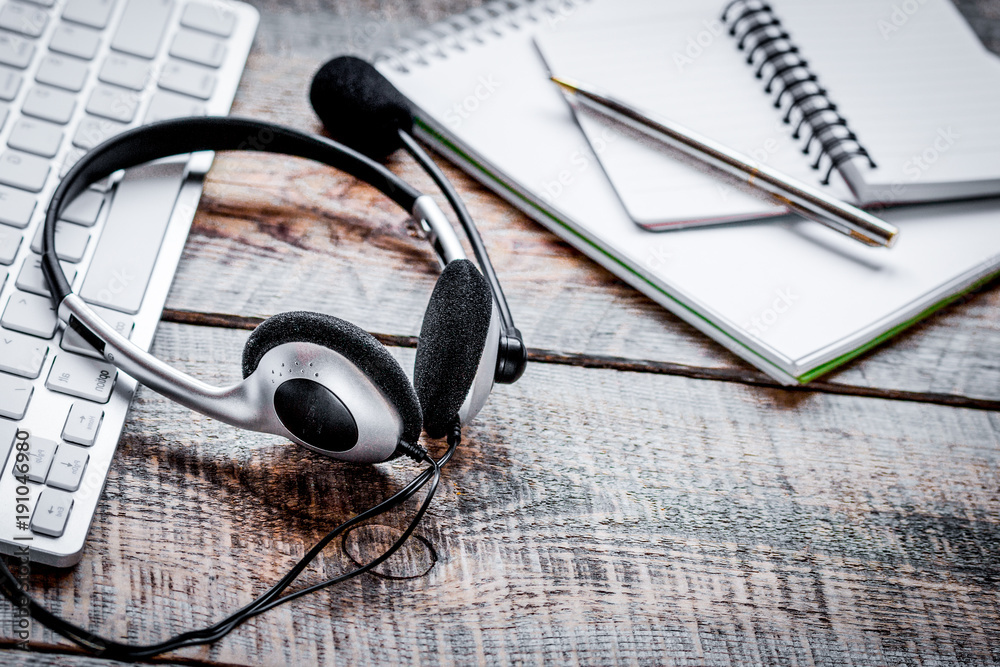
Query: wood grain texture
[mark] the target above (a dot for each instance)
(593, 516)
(628, 512)
(276, 233)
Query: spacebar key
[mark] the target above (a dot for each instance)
(133, 233)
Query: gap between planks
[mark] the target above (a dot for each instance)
(608, 362)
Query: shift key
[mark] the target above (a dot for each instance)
(133, 233)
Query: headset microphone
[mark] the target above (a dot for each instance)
(360, 108)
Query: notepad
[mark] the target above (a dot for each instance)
(893, 105)
(790, 296)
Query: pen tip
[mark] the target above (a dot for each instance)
(565, 84)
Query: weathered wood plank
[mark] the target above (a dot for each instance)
(275, 234)
(593, 516)
(35, 659)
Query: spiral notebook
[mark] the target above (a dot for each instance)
(890, 105)
(790, 296)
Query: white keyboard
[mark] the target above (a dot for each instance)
(73, 73)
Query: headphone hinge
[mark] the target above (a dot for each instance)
(513, 357)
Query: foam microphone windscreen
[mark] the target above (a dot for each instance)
(359, 107)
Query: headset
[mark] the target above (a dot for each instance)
(313, 378)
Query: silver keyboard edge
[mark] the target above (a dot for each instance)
(66, 551)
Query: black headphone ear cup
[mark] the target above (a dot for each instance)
(452, 339)
(356, 345)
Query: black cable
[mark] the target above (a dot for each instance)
(478, 248)
(12, 590)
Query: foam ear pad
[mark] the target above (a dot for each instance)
(356, 345)
(452, 339)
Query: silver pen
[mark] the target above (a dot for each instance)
(797, 196)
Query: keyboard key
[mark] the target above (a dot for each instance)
(16, 206)
(126, 251)
(104, 185)
(49, 104)
(52, 512)
(23, 171)
(209, 18)
(92, 131)
(24, 19)
(31, 279)
(82, 377)
(165, 106)
(71, 241)
(40, 454)
(10, 241)
(84, 209)
(141, 27)
(198, 48)
(74, 342)
(113, 102)
(125, 71)
(82, 423)
(93, 13)
(15, 393)
(36, 136)
(67, 467)
(21, 355)
(15, 51)
(69, 159)
(8, 431)
(75, 41)
(62, 72)
(10, 83)
(30, 314)
(187, 79)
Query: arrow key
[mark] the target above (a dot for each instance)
(21, 355)
(67, 468)
(51, 512)
(82, 423)
(40, 455)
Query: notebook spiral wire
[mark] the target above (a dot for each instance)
(759, 32)
(474, 26)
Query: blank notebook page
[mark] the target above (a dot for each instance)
(899, 94)
(923, 96)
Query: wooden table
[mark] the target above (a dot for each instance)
(641, 496)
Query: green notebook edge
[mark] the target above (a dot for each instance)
(479, 171)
